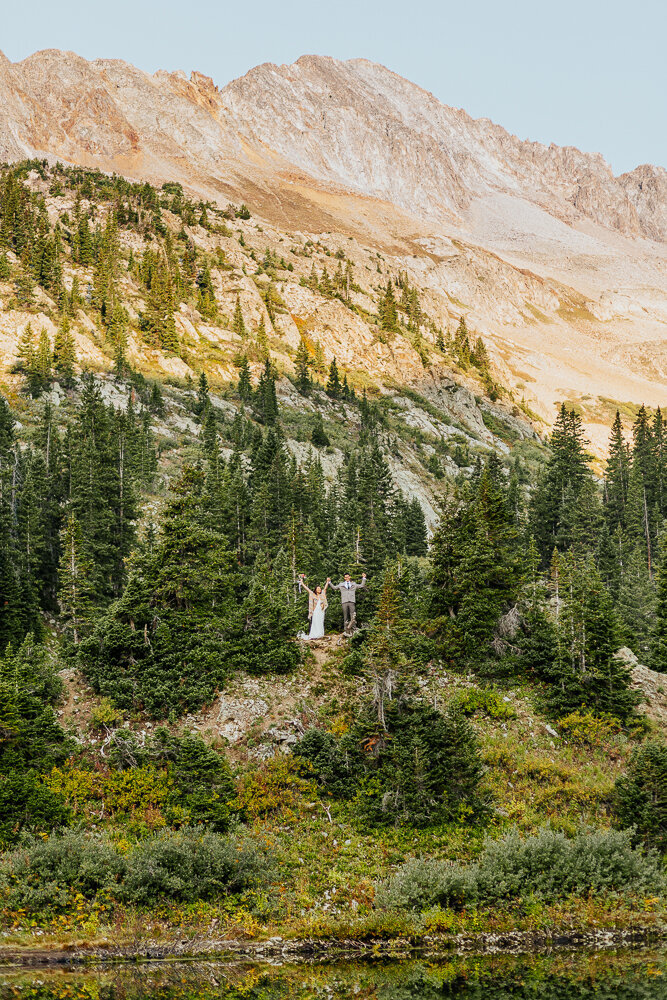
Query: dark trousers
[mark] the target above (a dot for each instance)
(349, 615)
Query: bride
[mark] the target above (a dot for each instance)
(317, 605)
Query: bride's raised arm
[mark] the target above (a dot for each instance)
(305, 585)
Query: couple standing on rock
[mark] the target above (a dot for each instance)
(317, 604)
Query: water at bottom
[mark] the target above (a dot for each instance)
(605, 975)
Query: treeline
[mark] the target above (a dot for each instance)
(170, 270)
(555, 580)
(69, 504)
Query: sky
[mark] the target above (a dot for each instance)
(585, 73)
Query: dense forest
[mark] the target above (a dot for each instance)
(159, 595)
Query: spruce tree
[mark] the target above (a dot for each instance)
(319, 435)
(265, 398)
(245, 384)
(302, 366)
(64, 355)
(658, 653)
(76, 591)
(333, 384)
(616, 475)
(319, 361)
(203, 404)
(387, 311)
(238, 323)
(262, 341)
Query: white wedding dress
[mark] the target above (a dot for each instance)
(316, 623)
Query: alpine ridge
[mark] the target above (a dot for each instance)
(560, 263)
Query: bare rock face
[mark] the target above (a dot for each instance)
(357, 124)
(560, 263)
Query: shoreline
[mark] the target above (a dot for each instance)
(321, 949)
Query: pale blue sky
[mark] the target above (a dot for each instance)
(587, 73)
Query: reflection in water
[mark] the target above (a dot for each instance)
(634, 975)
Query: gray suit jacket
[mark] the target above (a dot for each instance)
(348, 594)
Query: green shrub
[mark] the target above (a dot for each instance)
(45, 875)
(547, 866)
(484, 700)
(191, 865)
(640, 796)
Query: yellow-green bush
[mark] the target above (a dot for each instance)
(585, 729)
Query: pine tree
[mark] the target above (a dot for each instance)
(616, 475)
(475, 570)
(319, 435)
(319, 361)
(40, 377)
(302, 366)
(5, 270)
(238, 323)
(24, 288)
(245, 384)
(387, 311)
(210, 433)
(75, 592)
(385, 654)
(658, 657)
(586, 675)
(64, 355)
(333, 384)
(262, 341)
(25, 353)
(156, 401)
(265, 398)
(555, 507)
(462, 349)
(203, 404)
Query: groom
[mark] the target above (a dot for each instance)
(348, 599)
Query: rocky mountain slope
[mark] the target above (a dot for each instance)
(560, 264)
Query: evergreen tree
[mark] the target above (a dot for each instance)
(238, 323)
(266, 402)
(203, 404)
(302, 366)
(555, 503)
(658, 658)
(262, 341)
(76, 591)
(387, 311)
(64, 355)
(616, 475)
(25, 353)
(156, 401)
(31, 743)
(475, 569)
(319, 363)
(319, 435)
(586, 675)
(245, 384)
(333, 384)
